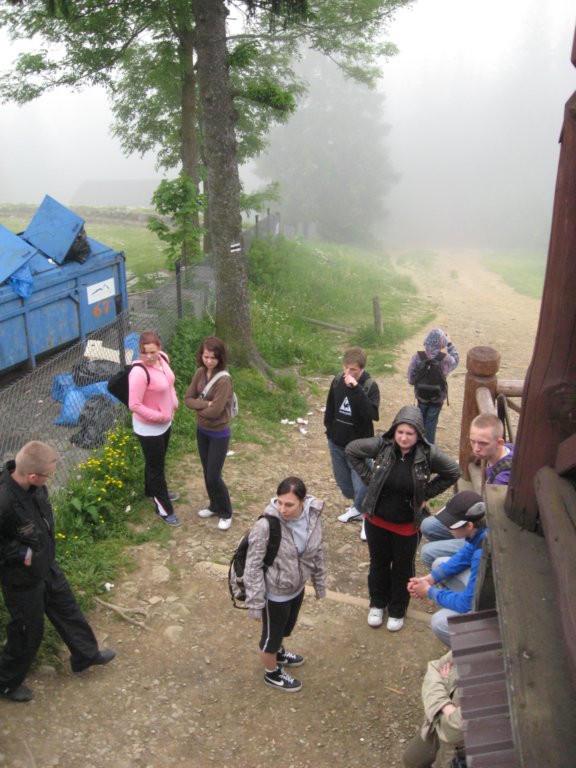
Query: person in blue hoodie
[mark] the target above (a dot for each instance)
(465, 517)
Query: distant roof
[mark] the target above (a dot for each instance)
(132, 193)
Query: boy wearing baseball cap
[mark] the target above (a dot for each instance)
(465, 517)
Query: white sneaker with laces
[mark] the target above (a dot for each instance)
(351, 514)
(363, 531)
(375, 617)
(224, 523)
(206, 513)
(394, 625)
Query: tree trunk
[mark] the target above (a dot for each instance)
(218, 119)
(188, 139)
(549, 403)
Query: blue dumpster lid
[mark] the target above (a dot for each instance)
(53, 229)
(14, 253)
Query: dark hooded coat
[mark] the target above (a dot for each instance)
(432, 471)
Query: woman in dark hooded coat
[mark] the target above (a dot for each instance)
(407, 472)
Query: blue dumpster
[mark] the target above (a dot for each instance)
(78, 285)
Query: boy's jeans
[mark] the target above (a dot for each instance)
(347, 479)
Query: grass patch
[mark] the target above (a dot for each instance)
(521, 270)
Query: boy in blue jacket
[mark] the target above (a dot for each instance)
(465, 517)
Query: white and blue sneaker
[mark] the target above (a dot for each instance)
(351, 514)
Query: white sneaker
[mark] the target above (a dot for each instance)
(363, 531)
(224, 523)
(206, 513)
(375, 617)
(351, 514)
(394, 625)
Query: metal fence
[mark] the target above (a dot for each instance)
(47, 403)
(272, 225)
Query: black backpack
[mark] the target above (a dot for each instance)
(238, 560)
(118, 384)
(430, 385)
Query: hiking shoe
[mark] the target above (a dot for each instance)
(224, 523)
(173, 495)
(394, 625)
(363, 531)
(103, 657)
(375, 617)
(289, 659)
(351, 514)
(206, 513)
(20, 694)
(282, 680)
(170, 520)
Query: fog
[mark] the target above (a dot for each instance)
(474, 101)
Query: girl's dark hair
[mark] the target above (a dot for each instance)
(217, 347)
(292, 485)
(149, 337)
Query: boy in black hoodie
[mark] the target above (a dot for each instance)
(351, 408)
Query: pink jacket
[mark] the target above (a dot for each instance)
(156, 402)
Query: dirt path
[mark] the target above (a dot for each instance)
(189, 691)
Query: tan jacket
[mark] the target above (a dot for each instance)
(437, 692)
(290, 571)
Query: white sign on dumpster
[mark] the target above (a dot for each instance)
(102, 290)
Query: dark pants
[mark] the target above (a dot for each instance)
(155, 448)
(391, 566)
(213, 452)
(278, 622)
(430, 413)
(24, 632)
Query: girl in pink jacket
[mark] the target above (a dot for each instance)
(153, 401)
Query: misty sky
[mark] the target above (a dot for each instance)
(474, 100)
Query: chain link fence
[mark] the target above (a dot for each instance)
(64, 401)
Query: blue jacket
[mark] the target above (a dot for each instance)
(467, 557)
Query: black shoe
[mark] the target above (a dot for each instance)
(282, 680)
(20, 694)
(103, 657)
(289, 659)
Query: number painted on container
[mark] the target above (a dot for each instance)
(102, 308)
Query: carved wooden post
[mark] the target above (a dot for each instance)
(482, 365)
(549, 403)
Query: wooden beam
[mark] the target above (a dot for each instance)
(510, 387)
(542, 698)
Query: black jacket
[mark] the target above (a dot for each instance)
(432, 471)
(350, 411)
(26, 521)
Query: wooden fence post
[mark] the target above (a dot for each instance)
(377, 316)
(482, 365)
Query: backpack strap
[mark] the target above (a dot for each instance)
(213, 381)
(274, 539)
(138, 364)
(502, 465)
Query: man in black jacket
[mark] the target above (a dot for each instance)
(32, 582)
